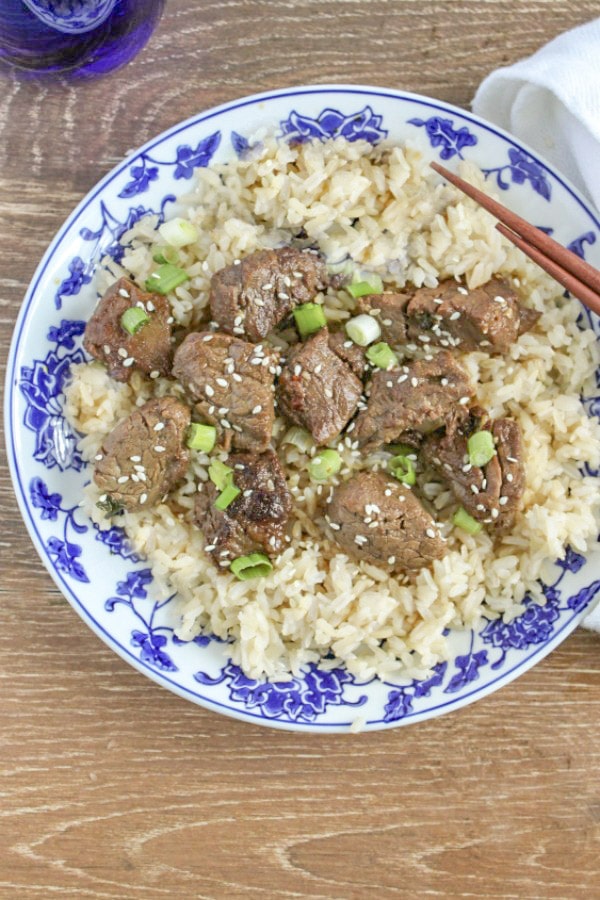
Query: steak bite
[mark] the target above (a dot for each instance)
(256, 519)
(148, 350)
(488, 317)
(379, 520)
(317, 390)
(231, 382)
(417, 397)
(252, 297)
(348, 352)
(145, 456)
(390, 310)
(491, 493)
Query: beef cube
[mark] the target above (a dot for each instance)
(257, 518)
(404, 535)
(149, 350)
(145, 456)
(492, 493)
(317, 390)
(418, 397)
(348, 352)
(391, 315)
(231, 382)
(251, 298)
(488, 317)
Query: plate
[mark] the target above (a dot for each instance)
(104, 580)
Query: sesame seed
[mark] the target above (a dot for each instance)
(297, 370)
(207, 338)
(256, 409)
(267, 287)
(238, 329)
(480, 507)
(135, 477)
(223, 410)
(474, 488)
(99, 456)
(211, 410)
(463, 401)
(503, 501)
(335, 526)
(248, 493)
(455, 316)
(139, 468)
(222, 382)
(237, 377)
(170, 320)
(209, 547)
(430, 533)
(495, 514)
(150, 306)
(387, 492)
(287, 280)
(128, 362)
(224, 423)
(328, 393)
(209, 391)
(123, 479)
(103, 497)
(360, 539)
(154, 373)
(510, 477)
(464, 291)
(122, 352)
(425, 338)
(159, 449)
(414, 381)
(467, 468)
(283, 296)
(106, 349)
(270, 484)
(387, 322)
(256, 361)
(236, 262)
(143, 498)
(499, 299)
(401, 378)
(444, 382)
(123, 293)
(348, 344)
(512, 459)
(159, 426)
(318, 369)
(484, 484)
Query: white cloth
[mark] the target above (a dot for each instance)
(551, 100)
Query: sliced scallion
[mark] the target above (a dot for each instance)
(361, 286)
(220, 474)
(255, 565)
(227, 496)
(309, 318)
(299, 438)
(201, 437)
(166, 278)
(178, 232)
(363, 329)
(462, 519)
(382, 356)
(403, 468)
(109, 506)
(324, 465)
(166, 255)
(133, 319)
(481, 448)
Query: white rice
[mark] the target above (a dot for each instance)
(385, 209)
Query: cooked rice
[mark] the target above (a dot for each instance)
(384, 208)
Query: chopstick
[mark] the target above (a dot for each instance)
(575, 274)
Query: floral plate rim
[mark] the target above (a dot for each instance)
(504, 677)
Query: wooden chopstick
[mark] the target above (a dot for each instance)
(564, 265)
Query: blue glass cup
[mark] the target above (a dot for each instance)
(83, 38)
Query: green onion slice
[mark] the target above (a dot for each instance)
(324, 465)
(109, 506)
(299, 438)
(255, 565)
(363, 329)
(309, 318)
(166, 255)
(462, 519)
(360, 288)
(201, 437)
(382, 356)
(166, 278)
(133, 319)
(403, 468)
(220, 474)
(227, 496)
(178, 232)
(481, 448)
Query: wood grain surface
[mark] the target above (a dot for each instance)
(114, 788)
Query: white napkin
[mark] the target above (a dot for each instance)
(551, 100)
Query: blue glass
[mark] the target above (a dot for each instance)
(83, 38)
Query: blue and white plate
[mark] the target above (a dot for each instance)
(103, 579)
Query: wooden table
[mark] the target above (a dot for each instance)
(114, 788)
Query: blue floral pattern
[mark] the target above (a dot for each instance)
(331, 123)
(442, 133)
(63, 552)
(297, 700)
(151, 639)
(187, 159)
(521, 168)
(42, 386)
